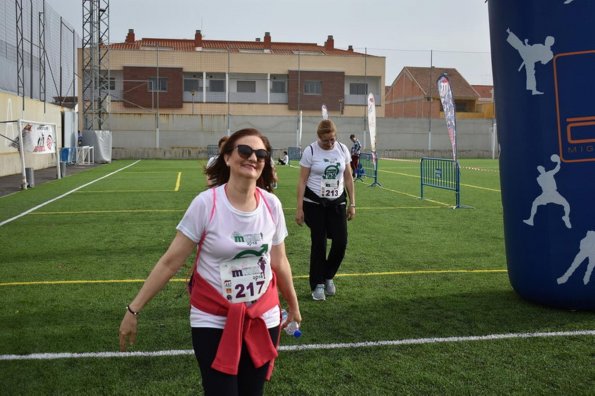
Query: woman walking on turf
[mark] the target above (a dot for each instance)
(238, 230)
(324, 184)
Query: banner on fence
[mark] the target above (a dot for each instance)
(448, 106)
(38, 139)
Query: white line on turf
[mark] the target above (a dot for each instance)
(367, 344)
(63, 195)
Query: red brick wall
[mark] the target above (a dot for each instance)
(333, 90)
(136, 90)
(407, 100)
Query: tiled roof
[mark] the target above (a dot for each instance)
(484, 91)
(278, 48)
(425, 76)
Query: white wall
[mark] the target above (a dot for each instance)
(395, 137)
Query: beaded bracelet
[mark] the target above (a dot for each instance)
(131, 311)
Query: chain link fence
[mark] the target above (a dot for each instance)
(48, 44)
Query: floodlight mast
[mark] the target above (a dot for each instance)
(95, 64)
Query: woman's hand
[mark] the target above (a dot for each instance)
(301, 189)
(127, 331)
(299, 216)
(293, 315)
(350, 212)
(167, 266)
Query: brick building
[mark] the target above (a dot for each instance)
(485, 102)
(260, 77)
(414, 94)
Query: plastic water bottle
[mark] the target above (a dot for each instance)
(292, 328)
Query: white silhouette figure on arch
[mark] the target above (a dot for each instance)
(531, 54)
(549, 193)
(587, 251)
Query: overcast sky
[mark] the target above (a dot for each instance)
(408, 33)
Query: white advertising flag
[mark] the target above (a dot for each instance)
(449, 111)
(324, 112)
(372, 121)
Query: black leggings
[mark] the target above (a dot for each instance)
(249, 381)
(325, 222)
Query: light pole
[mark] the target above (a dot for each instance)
(192, 93)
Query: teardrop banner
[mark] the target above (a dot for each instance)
(372, 125)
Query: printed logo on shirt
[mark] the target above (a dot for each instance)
(248, 239)
(237, 273)
(248, 252)
(331, 172)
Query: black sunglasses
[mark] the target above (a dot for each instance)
(246, 151)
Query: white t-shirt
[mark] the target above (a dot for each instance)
(325, 166)
(230, 233)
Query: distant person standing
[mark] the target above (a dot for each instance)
(325, 183)
(356, 151)
(213, 159)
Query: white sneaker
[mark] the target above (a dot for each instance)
(329, 287)
(318, 293)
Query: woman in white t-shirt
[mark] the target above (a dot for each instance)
(239, 229)
(325, 183)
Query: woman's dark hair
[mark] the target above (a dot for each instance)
(221, 141)
(219, 171)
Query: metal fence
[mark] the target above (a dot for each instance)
(45, 66)
(441, 173)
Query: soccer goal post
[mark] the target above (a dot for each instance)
(33, 137)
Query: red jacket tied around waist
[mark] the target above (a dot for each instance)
(243, 324)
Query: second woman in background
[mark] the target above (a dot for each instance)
(325, 183)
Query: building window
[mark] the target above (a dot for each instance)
(105, 83)
(216, 85)
(313, 87)
(247, 86)
(192, 85)
(278, 87)
(358, 89)
(157, 85)
(251, 51)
